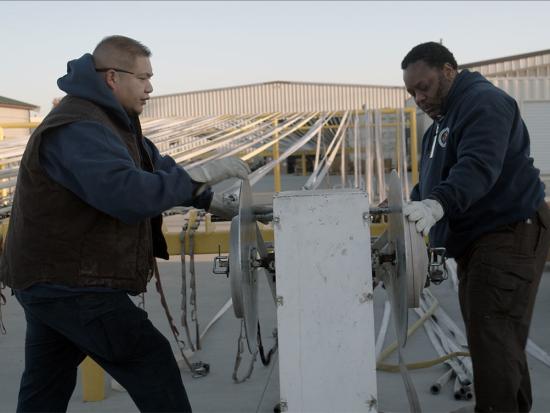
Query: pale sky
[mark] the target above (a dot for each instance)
(204, 45)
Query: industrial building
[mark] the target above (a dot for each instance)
(278, 96)
(15, 112)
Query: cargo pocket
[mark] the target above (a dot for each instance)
(507, 293)
(543, 216)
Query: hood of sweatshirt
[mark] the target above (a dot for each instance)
(84, 82)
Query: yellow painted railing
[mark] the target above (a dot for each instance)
(16, 125)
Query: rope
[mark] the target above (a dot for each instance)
(183, 306)
(193, 281)
(394, 368)
(2, 302)
(273, 350)
(238, 358)
(169, 317)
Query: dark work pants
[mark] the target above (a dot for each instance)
(499, 276)
(110, 329)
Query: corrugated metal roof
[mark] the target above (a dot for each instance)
(534, 64)
(7, 102)
(278, 96)
(504, 59)
(277, 82)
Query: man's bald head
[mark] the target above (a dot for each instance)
(119, 52)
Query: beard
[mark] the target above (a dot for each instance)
(442, 93)
(437, 104)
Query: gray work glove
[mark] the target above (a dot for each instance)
(213, 172)
(226, 205)
(263, 213)
(424, 213)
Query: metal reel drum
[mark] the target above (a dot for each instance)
(243, 277)
(406, 283)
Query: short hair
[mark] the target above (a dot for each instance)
(432, 53)
(118, 51)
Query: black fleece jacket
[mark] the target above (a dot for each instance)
(475, 162)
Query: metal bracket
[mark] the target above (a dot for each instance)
(437, 269)
(221, 265)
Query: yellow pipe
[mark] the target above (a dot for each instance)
(277, 169)
(304, 165)
(19, 125)
(398, 148)
(93, 381)
(4, 191)
(217, 240)
(209, 226)
(384, 125)
(414, 146)
(207, 241)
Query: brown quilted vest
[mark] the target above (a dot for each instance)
(55, 237)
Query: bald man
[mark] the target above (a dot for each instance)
(85, 230)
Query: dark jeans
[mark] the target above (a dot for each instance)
(110, 329)
(499, 277)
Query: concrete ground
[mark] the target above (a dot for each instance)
(217, 392)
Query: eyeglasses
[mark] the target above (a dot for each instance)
(106, 69)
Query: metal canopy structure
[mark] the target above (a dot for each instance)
(358, 145)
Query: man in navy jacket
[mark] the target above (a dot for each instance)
(481, 198)
(85, 230)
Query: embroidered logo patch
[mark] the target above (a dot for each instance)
(443, 137)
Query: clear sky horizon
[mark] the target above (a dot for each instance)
(205, 45)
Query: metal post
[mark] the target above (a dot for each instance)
(318, 149)
(414, 145)
(5, 191)
(277, 168)
(368, 155)
(379, 155)
(343, 158)
(304, 164)
(355, 152)
(403, 146)
(93, 381)
(397, 142)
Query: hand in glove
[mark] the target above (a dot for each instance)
(425, 213)
(226, 205)
(263, 213)
(219, 170)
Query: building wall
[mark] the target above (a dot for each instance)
(537, 118)
(534, 65)
(524, 88)
(282, 97)
(14, 115)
